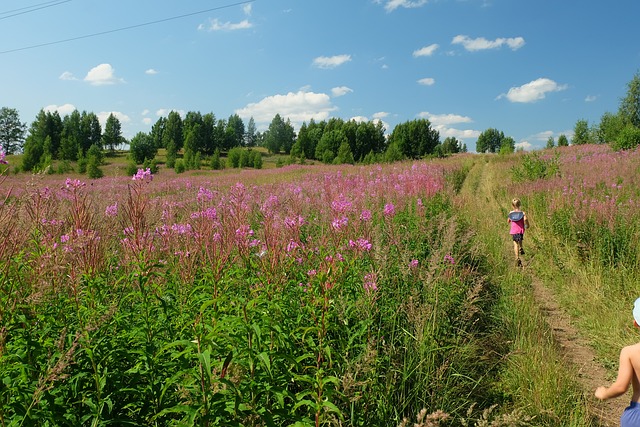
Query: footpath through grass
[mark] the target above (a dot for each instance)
(535, 378)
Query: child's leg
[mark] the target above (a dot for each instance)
(516, 249)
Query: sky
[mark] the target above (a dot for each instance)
(530, 69)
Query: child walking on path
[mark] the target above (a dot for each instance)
(628, 373)
(519, 222)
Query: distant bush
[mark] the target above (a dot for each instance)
(180, 166)
(628, 138)
(534, 167)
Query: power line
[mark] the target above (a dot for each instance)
(39, 6)
(130, 27)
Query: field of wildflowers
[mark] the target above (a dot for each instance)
(322, 296)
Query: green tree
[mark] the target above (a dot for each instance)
(192, 133)
(236, 130)
(610, 127)
(112, 136)
(490, 141)
(508, 145)
(250, 135)
(216, 163)
(550, 142)
(142, 147)
(563, 141)
(91, 131)
(393, 153)
(279, 136)
(157, 132)
(12, 130)
(233, 157)
(209, 141)
(330, 143)
(70, 143)
(345, 156)
(172, 137)
(451, 145)
(629, 108)
(415, 139)
(257, 160)
(628, 138)
(581, 133)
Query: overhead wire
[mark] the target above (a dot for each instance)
(33, 8)
(130, 27)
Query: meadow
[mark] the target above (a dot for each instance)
(378, 295)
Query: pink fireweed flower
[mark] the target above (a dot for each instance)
(339, 223)
(419, 203)
(413, 263)
(389, 210)
(244, 232)
(73, 183)
(360, 244)
(293, 223)
(341, 205)
(339, 257)
(143, 175)
(3, 161)
(305, 286)
(292, 245)
(111, 210)
(204, 195)
(181, 228)
(449, 259)
(64, 238)
(365, 215)
(370, 282)
(312, 273)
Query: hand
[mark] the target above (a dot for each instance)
(601, 393)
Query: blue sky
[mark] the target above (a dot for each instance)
(528, 68)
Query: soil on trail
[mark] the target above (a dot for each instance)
(574, 348)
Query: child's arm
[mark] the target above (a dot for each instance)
(526, 221)
(625, 372)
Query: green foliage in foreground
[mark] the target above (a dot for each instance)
(147, 345)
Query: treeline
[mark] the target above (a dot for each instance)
(189, 140)
(621, 129)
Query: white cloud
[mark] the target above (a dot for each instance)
(426, 51)
(298, 107)
(151, 72)
(481, 43)
(590, 98)
(442, 123)
(145, 112)
(380, 115)
(103, 74)
(532, 91)
(331, 61)
(247, 9)
(104, 115)
(67, 76)
(542, 136)
(164, 112)
(392, 5)
(525, 145)
(147, 121)
(340, 91)
(428, 81)
(359, 119)
(215, 25)
(63, 110)
(444, 119)
(446, 132)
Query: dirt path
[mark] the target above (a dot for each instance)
(574, 348)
